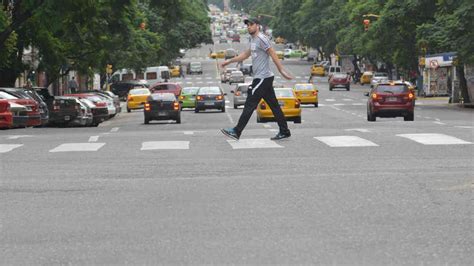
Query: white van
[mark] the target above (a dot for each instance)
(332, 70)
(151, 75)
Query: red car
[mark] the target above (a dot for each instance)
(340, 80)
(391, 100)
(6, 117)
(161, 87)
(32, 108)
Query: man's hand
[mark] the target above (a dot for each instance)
(286, 75)
(223, 64)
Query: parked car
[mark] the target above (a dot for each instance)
(339, 80)
(390, 99)
(378, 77)
(64, 110)
(188, 97)
(210, 98)
(6, 116)
(101, 112)
(87, 117)
(109, 96)
(306, 93)
(33, 95)
(162, 87)
(240, 94)
(94, 97)
(122, 88)
(19, 115)
(289, 105)
(225, 75)
(32, 107)
(236, 77)
(162, 106)
(136, 98)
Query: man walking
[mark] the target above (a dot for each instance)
(262, 84)
(72, 85)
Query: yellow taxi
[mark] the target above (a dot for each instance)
(279, 40)
(280, 55)
(317, 70)
(174, 71)
(221, 54)
(366, 77)
(289, 104)
(213, 55)
(306, 93)
(136, 98)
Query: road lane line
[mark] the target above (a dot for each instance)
(253, 144)
(165, 145)
(93, 138)
(115, 129)
(434, 139)
(74, 147)
(4, 148)
(346, 141)
(439, 123)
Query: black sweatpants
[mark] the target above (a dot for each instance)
(258, 90)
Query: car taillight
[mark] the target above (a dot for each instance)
(263, 106)
(147, 107)
(315, 93)
(176, 105)
(411, 96)
(129, 98)
(199, 98)
(374, 96)
(219, 97)
(182, 97)
(237, 93)
(297, 104)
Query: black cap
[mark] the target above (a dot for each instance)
(251, 20)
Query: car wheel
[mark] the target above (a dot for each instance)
(297, 120)
(178, 119)
(348, 88)
(370, 117)
(223, 109)
(128, 110)
(316, 105)
(196, 110)
(409, 117)
(236, 106)
(146, 121)
(330, 88)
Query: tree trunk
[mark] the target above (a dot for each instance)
(463, 84)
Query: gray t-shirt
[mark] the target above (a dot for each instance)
(260, 59)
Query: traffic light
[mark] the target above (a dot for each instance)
(108, 69)
(366, 24)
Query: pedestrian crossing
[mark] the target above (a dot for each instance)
(339, 141)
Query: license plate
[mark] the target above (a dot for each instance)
(67, 118)
(209, 104)
(392, 99)
(162, 113)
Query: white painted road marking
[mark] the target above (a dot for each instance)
(4, 148)
(347, 100)
(434, 139)
(68, 147)
(330, 100)
(19, 136)
(115, 129)
(467, 127)
(346, 141)
(253, 144)
(165, 145)
(93, 138)
(439, 123)
(364, 130)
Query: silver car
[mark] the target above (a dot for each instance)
(240, 94)
(236, 77)
(378, 77)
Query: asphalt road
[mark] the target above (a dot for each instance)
(341, 190)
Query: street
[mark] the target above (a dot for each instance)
(341, 190)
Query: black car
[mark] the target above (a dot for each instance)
(162, 106)
(64, 110)
(210, 98)
(122, 88)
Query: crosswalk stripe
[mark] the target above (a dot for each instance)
(434, 139)
(4, 148)
(253, 144)
(346, 141)
(165, 145)
(72, 147)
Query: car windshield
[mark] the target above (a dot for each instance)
(209, 90)
(380, 74)
(237, 74)
(87, 103)
(195, 64)
(164, 87)
(284, 92)
(190, 90)
(163, 97)
(304, 87)
(139, 91)
(392, 88)
(4, 95)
